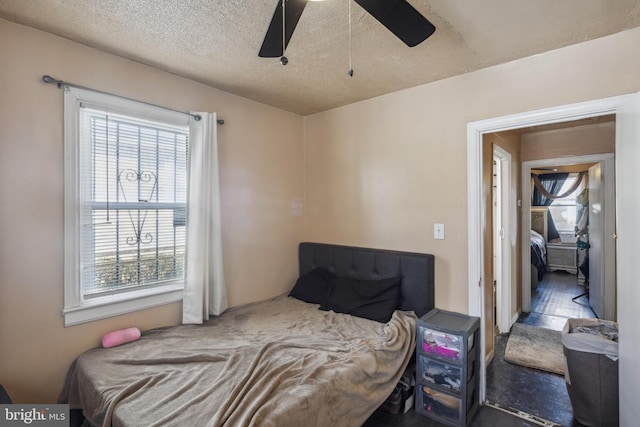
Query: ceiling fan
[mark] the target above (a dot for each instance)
(397, 15)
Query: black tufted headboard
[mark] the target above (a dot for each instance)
(415, 269)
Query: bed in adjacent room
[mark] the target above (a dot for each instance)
(281, 362)
(539, 236)
(538, 258)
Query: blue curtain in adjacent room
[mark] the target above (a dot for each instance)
(552, 182)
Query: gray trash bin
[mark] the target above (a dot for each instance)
(590, 348)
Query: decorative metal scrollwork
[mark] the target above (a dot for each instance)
(145, 189)
(132, 241)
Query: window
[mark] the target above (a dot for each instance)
(125, 205)
(565, 210)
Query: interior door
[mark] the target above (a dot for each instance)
(602, 244)
(628, 212)
(502, 238)
(498, 235)
(596, 234)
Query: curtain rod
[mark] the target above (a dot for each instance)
(60, 83)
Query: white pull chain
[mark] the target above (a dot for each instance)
(283, 60)
(350, 72)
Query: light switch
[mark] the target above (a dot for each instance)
(438, 231)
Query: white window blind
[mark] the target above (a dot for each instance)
(126, 177)
(133, 192)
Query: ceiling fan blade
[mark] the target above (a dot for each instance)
(401, 19)
(272, 44)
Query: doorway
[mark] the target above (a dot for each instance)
(600, 209)
(545, 395)
(627, 110)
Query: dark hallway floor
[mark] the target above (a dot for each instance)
(553, 297)
(534, 392)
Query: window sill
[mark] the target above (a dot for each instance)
(115, 305)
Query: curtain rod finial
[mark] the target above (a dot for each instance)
(48, 79)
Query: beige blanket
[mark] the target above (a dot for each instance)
(278, 363)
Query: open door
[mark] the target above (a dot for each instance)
(602, 277)
(628, 212)
(502, 238)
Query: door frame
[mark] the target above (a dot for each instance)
(476, 203)
(503, 276)
(606, 160)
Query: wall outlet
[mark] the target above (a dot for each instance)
(438, 231)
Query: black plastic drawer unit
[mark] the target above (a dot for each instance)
(447, 355)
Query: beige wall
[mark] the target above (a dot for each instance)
(261, 161)
(574, 141)
(381, 172)
(378, 173)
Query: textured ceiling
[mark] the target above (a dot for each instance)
(217, 42)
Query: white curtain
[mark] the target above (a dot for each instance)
(205, 292)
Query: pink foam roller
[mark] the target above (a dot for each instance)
(120, 337)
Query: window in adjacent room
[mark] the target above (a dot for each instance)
(126, 172)
(565, 210)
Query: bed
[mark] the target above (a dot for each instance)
(538, 257)
(281, 362)
(539, 234)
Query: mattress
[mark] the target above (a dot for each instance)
(281, 362)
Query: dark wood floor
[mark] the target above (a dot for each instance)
(536, 392)
(529, 390)
(486, 417)
(516, 388)
(553, 297)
